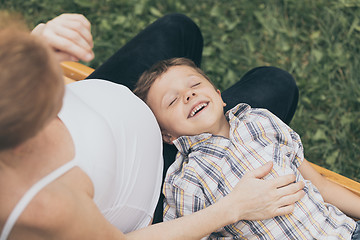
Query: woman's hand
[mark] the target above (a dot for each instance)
(69, 35)
(251, 199)
(257, 199)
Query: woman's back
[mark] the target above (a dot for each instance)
(124, 190)
(24, 167)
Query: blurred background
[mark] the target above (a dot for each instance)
(318, 42)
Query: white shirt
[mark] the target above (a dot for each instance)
(118, 144)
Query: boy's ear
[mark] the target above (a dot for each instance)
(218, 91)
(167, 137)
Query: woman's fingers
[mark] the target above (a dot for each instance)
(77, 23)
(260, 172)
(284, 210)
(286, 204)
(291, 198)
(71, 33)
(262, 199)
(291, 188)
(288, 193)
(66, 40)
(63, 56)
(39, 29)
(84, 29)
(282, 181)
(68, 34)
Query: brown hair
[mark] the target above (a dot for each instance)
(147, 79)
(31, 86)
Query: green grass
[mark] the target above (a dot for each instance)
(316, 41)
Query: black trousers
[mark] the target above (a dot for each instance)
(176, 35)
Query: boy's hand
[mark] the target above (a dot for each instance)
(263, 199)
(69, 35)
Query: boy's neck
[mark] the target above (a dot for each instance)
(224, 128)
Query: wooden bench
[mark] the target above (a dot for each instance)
(74, 71)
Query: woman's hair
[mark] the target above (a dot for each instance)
(147, 79)
(31, 84)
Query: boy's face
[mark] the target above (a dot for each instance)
(185, 103)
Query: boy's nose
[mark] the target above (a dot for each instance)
(188, 96)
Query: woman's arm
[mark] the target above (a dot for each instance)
(75, 216)
(69, 35)
(332, 193)
(251, 199)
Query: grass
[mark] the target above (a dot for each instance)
(316, 41)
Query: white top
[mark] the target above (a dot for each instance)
(118, 145)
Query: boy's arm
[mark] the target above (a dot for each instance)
(179, 203)
(332, 193)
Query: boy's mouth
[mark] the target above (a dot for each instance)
(198, 108)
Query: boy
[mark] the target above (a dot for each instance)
(215, 151)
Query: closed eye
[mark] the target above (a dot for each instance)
(172, 102)
(196, 84)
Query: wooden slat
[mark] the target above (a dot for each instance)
(75, 70)
(68, 80)
(339, 179)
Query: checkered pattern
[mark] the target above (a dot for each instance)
(208, 167)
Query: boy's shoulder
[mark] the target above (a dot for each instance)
(244, 108)
(195, 150)
(200, 157)
(239, 110)
(244, 112)
(196, 175)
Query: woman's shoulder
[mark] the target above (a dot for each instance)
(52, 209)
(43, 216)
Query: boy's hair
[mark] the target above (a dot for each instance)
(31, 85)
(147, 79)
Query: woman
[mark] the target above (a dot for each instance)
(92, 170)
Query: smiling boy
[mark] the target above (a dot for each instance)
(217, 149)
(185, 115)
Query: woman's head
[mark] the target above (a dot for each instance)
(31, 86)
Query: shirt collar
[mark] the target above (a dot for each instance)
(237, 113)
(184, 144)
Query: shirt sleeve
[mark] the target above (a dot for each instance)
(189, 190)
(275, 131)
(298, 148)
(180, 203)
(293, 140)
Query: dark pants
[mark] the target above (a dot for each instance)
(356, 233)
(176, 35)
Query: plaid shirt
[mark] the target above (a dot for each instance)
(208, 167)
